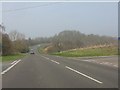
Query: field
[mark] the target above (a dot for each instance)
(12, 57)
(99, 51)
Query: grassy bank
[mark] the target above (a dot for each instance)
(12, 57)
(42, 48)
(104, 51)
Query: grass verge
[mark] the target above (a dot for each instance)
(40, 50)
(104, 51)
(12, 57)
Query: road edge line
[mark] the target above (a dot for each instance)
(13, 62)
(10, 67)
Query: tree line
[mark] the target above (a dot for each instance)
(15, 42)
(71, 39)
(12, 43)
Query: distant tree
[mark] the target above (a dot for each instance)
(0, 42)
(19, 42)
(71, 39)
(15, 35)
(67, 39)
(2, 28)
(7, 47)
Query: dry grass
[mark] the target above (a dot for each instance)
(101, 50)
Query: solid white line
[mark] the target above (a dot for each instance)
(55, 62)
(84, 75)
(10, 67)
(14, 62)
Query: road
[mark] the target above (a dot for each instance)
(47, 71)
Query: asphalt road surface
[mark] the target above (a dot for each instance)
(47, 71)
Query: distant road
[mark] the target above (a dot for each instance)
(46, 71)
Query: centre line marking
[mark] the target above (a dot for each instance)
(10, 67)
(51, 60)
(45, 57)
(84, 75)
(55, 62)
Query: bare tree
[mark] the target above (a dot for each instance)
(15, 35)
(7, 47)
(67, 39)
(2, 28)
(19, 42)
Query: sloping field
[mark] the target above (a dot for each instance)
(90, 51)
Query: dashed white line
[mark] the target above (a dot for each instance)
(51, 60)
(84, 75)
(14, 62)
(55, 62)
(10, 67)
(45, 57)
(115, 65)
(58, 56)
(87, 60)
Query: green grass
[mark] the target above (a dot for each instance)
(40, 50)
(12, 57)
(105, 51)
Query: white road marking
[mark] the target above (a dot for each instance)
(115, 65)
(51, 60)
(55, 62)
(14, 62)
(57, 56)
(45, 57)
(84, 75)
(10, 67)
(89, 60)
(102, 63)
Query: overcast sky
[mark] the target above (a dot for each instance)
(47, 19)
